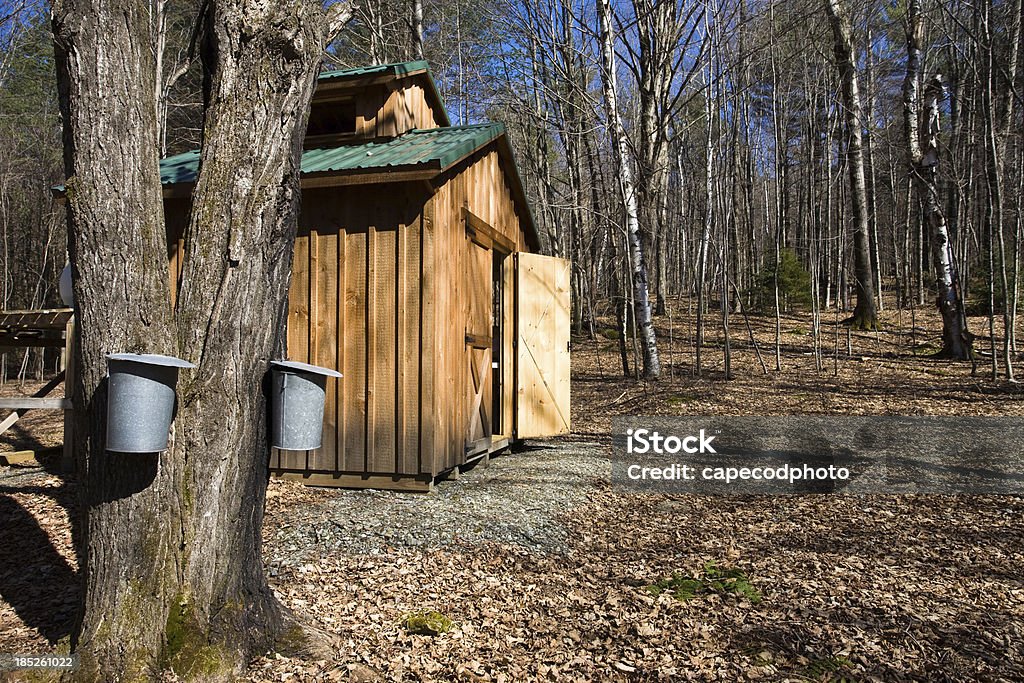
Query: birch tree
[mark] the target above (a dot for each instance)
(922, 148)
(641, 297)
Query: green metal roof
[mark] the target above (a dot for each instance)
(395, 69)
(434, 148)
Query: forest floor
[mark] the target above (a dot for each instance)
(545, 570)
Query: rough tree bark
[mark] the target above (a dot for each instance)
(641, 297)
(922, 148)
(864, 316)
(657, 28)
(170, 542)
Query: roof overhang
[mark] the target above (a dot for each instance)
(311, 181)
(518, 192)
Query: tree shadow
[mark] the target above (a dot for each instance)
(801, 652)
(35, 579)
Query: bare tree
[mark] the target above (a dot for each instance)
(864, 316)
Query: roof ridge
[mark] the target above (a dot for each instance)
(465, 126)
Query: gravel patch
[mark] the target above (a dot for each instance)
(519, 499)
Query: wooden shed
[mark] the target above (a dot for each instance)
(416, 275)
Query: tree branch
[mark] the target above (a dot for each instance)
(337, 15)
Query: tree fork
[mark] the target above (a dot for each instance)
(169, 544)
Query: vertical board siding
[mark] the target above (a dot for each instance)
(443, 323)
(429, 294)
(542, 290)
(355, 306)
(354, 334)
(368, 105)
(406, 108)
(298, 327)
(386, 285)
(325, 329)
(390, 108)
(479, 185)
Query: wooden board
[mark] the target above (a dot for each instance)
(354, 331)
(39, 328)
(354, 306)
(33, 403)
(359, 481)
(27, 457)
(542, 345)
(44, 319)
(323, 342)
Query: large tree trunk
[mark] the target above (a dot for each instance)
(922, 148)
(641, 297)
(864, 314)
(129, 536)
(171, 542)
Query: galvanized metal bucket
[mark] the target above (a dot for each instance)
(140, 400)
(297, 405)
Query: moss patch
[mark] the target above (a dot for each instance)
(187, 650)
(714, 579)
(427, 623)
(829, 669)
(864, 321)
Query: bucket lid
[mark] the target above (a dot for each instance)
(305, 367)
(151, 359)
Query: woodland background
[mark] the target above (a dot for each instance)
(718, 155)
(733, 130)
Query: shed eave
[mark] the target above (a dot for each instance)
(321, 179)
(519, 193)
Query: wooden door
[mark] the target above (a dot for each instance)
(542, 345)
(479, 423)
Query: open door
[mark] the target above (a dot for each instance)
(542, 345)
